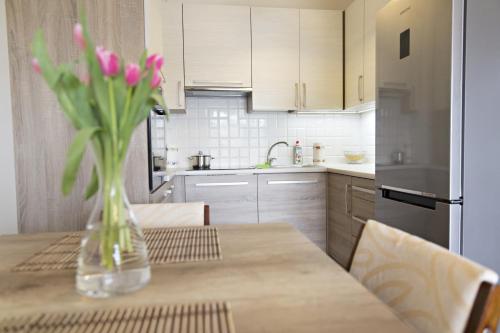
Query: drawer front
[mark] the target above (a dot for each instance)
(363, 189)
(298, 199)
(362, 211)
(232, 198)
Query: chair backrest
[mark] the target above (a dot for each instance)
(427, 286)
(171, 214)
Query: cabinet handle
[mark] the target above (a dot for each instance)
(304, 95)
(360, 94)
(296, 95)
(345, 199)
(355, 218)
(286, 182)
(364, 190)
(221, 184)
(218, 83)
(179, 86)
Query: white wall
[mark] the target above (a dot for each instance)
(223, 128)
(8, 205)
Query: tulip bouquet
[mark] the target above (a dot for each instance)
(105, 106)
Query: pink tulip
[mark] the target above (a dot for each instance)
(36, 65)
(156, 60)
(132, 74)
(78, 36)
(109, 62)
(156, 80)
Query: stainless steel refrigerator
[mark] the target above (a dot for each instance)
(419, 119)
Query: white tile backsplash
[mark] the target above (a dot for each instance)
(222, 127)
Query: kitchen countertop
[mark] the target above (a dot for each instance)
(274, 278)
(366, 170)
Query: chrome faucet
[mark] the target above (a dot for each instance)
(269, 160)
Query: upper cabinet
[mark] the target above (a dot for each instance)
(275, 59)
(321, 60)
(217, 46)
(173, 89)
(296, 59)
(360, 18)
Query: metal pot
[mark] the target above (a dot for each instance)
(201, 161)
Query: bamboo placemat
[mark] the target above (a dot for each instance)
(165, 245)
(193, 318)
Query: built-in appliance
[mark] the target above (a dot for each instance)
(419, 119)
(156, 147)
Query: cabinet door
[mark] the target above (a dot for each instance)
(354, 49)
(173, 89)
(321, 59)
(232, 199)
(275, 59)
(363, 204)
(217, 46)
(340, 243)
(371, 8)
(298, 199)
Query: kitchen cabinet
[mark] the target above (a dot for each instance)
(217, 46)
(298, 199)
(296, 59)
(275, 59)
(360, 49)
(351, 202)
(232, 198)
(321, 60)
(173, 51)
(339, 218)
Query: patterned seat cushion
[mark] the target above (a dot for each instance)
(428, 287)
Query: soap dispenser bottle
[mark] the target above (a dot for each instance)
(297, 154)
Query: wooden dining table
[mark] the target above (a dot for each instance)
(273, 277)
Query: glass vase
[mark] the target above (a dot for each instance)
(113, 257)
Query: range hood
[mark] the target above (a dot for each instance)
(200, 91)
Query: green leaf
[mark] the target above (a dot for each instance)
(74, 158)
(93, 185)
(49, 71)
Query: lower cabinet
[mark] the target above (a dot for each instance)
(350, 205)
(170, 192)
(298, 199)
(232, 198)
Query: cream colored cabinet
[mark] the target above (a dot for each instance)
(217, 46)
(321, 60)
(371, 9)
(173, 50)
(275, 59)
(296, 59)
(354, 49)
(360, 49)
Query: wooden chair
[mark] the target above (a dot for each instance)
(427, 286)
(172, 214)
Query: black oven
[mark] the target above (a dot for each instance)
(156, 147)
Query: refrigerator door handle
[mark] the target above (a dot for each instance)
(415, 198)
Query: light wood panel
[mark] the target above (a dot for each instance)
(41, 133)
(275, 59)
(371, 8)
(275, 279)
(354, 49)
(298, 199)
(232, 198)
(173, 50)
(217, 46)
(321, 59)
